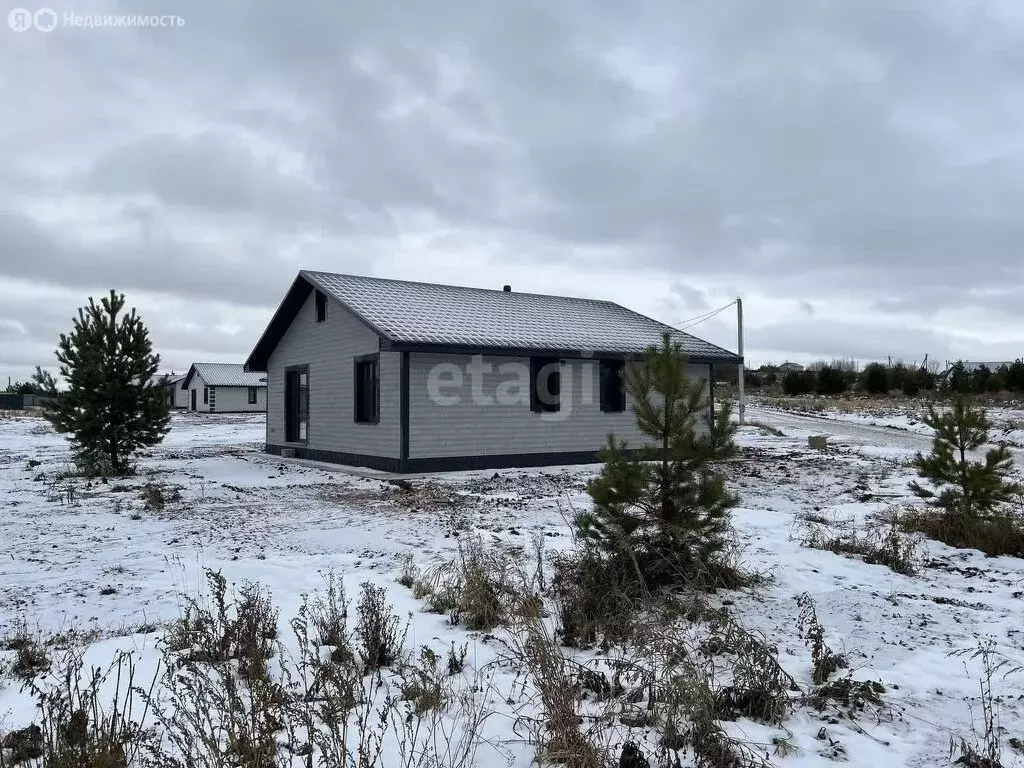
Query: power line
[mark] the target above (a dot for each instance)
(682, 325)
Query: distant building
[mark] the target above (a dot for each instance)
(788, 367)
(224, 388)
(176, 396)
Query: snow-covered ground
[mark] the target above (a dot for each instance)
(102, 561)
(1007, 420)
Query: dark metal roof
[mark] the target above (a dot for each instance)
(413, 315)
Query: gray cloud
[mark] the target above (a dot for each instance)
(213, 172)
(849, 167)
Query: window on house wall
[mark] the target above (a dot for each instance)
(545, 384)
(321, 306)
(613, 391)
(206, 395)
(296, 404)
(252, 395)
(367, 390)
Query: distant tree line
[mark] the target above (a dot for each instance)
(963, 381)
(839, 376)
(42, 383)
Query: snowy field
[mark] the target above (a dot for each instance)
(102, 562)
(1007, 420)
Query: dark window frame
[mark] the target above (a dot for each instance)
(206, 395)
(292, 397)
(361, 401)
(537, 365)
(612, 397)
(320, 305)
(254, 395)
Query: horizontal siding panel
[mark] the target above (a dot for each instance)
(467, 428)
(236, 400)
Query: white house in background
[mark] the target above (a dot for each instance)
(224, 388)
(176, 396)
(413, 377)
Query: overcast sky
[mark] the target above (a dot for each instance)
(854, 170)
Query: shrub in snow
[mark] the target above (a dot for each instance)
(380, 632)
(875, 379)
(831, 381)
(954, 482)
(798, 383)
(1015, 376)
(958, 380)
(664, 507)
(971, 498)
(911, 384)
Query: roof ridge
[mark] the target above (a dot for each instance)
(460, 287)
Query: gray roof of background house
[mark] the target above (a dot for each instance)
(224, 375)
(427, 314)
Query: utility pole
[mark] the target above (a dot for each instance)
(739, 334)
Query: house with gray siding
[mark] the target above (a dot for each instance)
(414, 377)
(177, 398)
(224, 388)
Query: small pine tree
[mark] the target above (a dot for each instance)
(831, 380)
(897, 374)
(957, 484)
(663, 506)
(44, 383)
(979, 379)
(911, 384)
(959, 378)
(925, 378)
(110, 408)
(798, 383)
(876, 379)
(1015, 376)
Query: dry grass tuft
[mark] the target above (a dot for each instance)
(995, 535)
(882, 540)
(473, 589)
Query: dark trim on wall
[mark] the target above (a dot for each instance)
(574, 354)
(287, 311)
(440, 463)
(403, 406)
(218, 413)
(300, 368)
(382, 463)
(188, 377)
(501, 461)
(711, 393)
(374, 358)
(279, 323)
